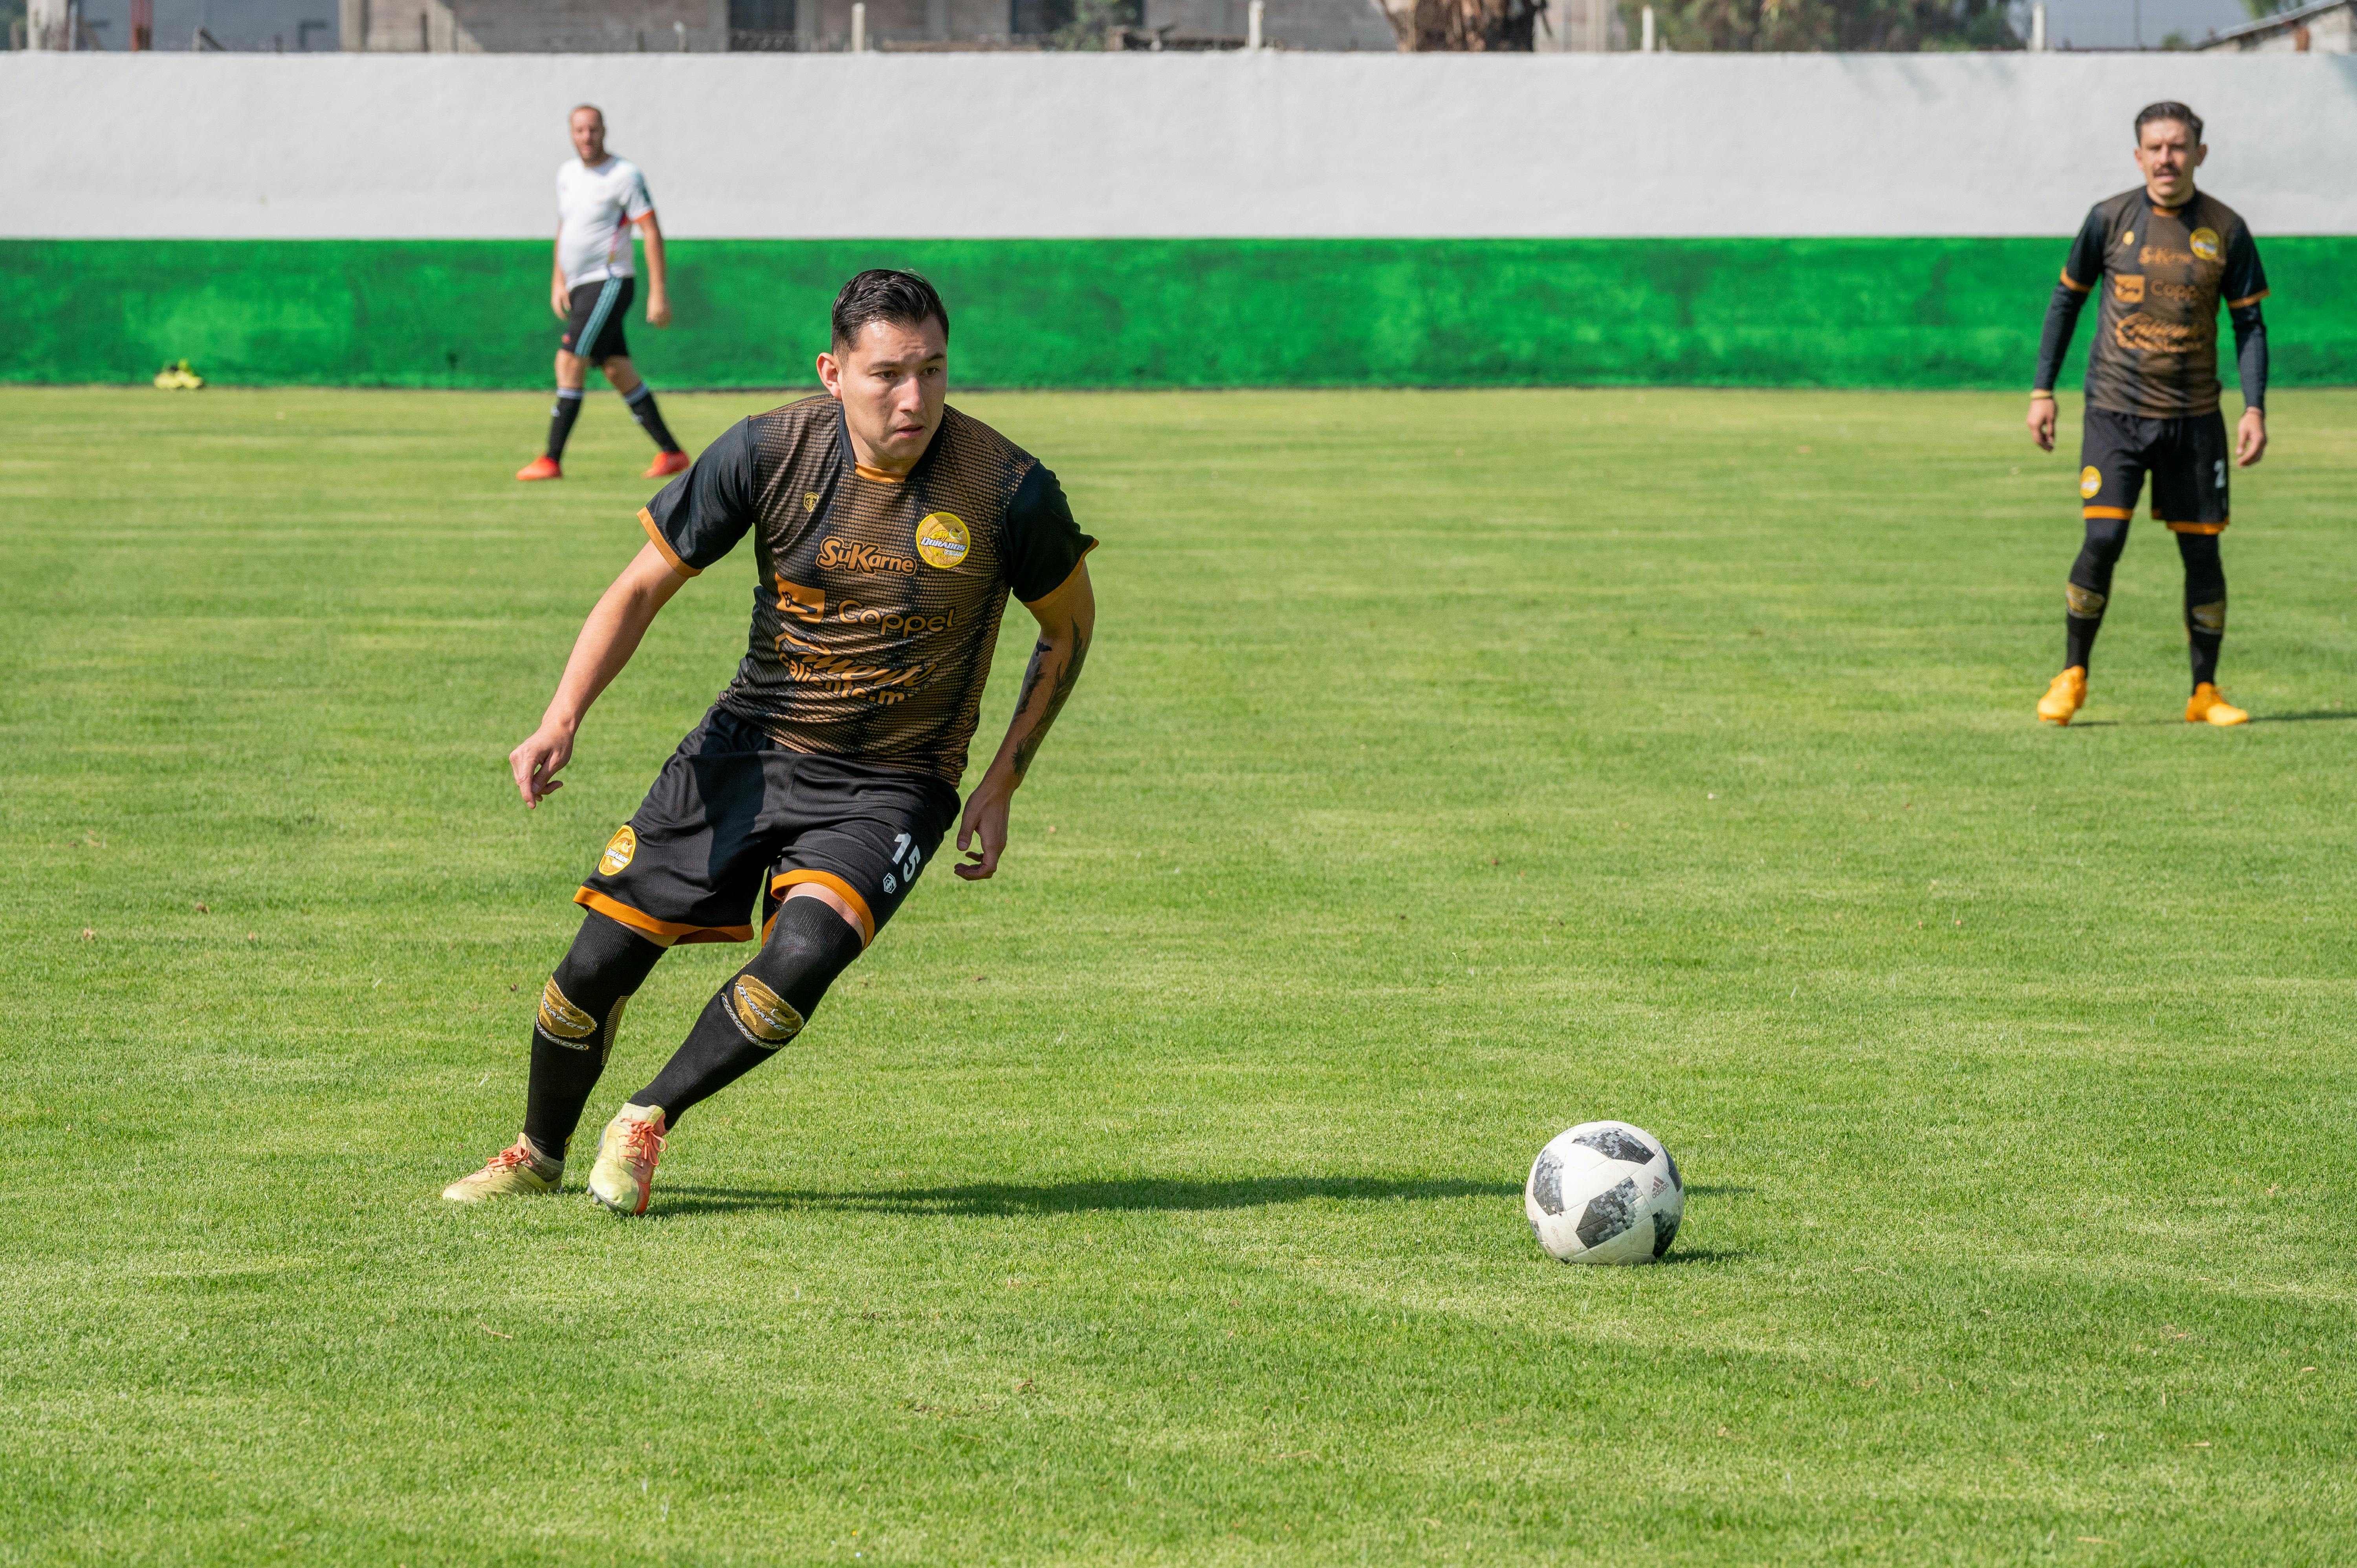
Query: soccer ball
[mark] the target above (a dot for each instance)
(1605, 1192)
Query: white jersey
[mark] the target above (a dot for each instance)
(595, 208)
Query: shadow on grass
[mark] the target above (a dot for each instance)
(1081, 1196)
(2320, 716)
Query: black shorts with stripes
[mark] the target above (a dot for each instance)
(596, 319)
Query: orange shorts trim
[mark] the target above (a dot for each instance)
(2118, 512)
(664, 932)
(2196, 527)
(833, 884)
(647, 522)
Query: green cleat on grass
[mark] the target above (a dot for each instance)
(627, 1152)
(518, 1172)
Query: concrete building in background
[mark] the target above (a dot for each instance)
(706, 26)
(2328, 27)
(238, 27)
(692, 27)
(535, 26)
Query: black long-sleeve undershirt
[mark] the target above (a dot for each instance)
(2063, 321)
(2251, 354)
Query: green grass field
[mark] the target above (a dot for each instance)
(1451, 768)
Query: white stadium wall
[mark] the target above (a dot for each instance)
(1101, 146)
(1360, 216)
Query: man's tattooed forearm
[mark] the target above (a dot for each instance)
(1031, 673)
(1067, 676)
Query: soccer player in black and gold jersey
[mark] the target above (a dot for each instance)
(888, 529)
(2161, 257)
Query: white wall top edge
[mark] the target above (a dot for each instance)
(1043, 146)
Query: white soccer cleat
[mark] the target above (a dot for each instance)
(627, 1151)
(519, 1171)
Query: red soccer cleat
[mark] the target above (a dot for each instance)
(665, 464)
(541, 468)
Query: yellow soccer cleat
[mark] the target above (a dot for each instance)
(2207, 706)
(627, 1152)
(2066, 696)
(518, 1172)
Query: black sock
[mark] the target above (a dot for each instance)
(560, 420)
(580, 1012)
(641, 400)
(2205, 602)
(2090, 587)
(763, 1005)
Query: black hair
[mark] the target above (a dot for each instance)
(2168, 109)
(881, 294)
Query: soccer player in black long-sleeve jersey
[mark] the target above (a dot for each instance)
(2162, 257)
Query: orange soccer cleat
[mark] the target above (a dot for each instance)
(665, 464)
(2066, 696)
(541, 468)
(2207, 706)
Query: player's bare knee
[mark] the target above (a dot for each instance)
(772, 997)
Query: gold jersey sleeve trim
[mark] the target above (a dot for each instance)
(2074, 286)
(2238, 304)
(1069, 575)
(647, 522)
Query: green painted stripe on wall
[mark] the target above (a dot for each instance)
(1118, 313)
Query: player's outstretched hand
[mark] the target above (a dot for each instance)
(984, 820)
(536, 761)
(2041, 423)
(2250, 438)
(658, 311)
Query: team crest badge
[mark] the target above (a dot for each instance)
(767, 1018)
(561, 1021)
(810, 500)
(942, 540)
(618, 851)
(2091, 485)
(2204, 244)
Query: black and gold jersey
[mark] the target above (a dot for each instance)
(2160, 273)
(876, 601)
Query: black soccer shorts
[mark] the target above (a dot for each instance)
(2186, 457)
(734, 814)
(597, 320)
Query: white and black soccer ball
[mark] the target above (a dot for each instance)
(1605, 1192)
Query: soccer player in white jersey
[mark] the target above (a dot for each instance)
(600, 199)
